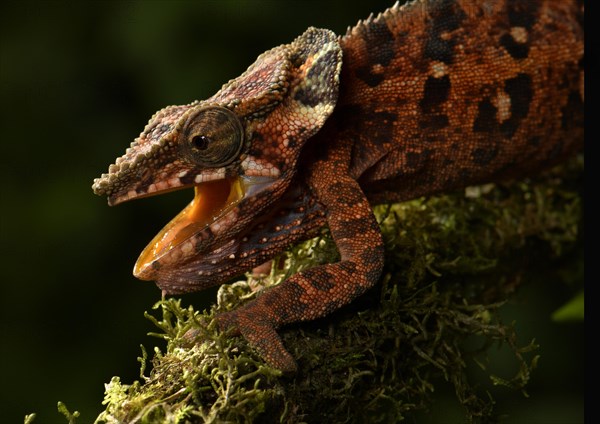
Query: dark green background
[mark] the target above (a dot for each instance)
(79, 80)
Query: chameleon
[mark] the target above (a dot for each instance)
(426, 97)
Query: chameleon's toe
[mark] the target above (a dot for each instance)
(261, 335)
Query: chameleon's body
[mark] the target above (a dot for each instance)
(427, 97)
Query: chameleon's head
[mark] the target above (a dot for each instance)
(238, 149)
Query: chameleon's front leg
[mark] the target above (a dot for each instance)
(323, 289)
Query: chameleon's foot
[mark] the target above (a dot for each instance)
(261, 335)
(191, 337)
(228, 321)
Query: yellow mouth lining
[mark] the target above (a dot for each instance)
(211, 200)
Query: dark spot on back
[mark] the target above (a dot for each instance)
(434, 122)
(485, 121)
(516, 50)
(380, 40)
(438, 49)
(435, 93)
(445, 16)
(364, 73)
(522, 13)
(483, 157)
(520, 92)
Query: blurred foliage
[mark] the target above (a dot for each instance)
(70, 416)
(573, 310)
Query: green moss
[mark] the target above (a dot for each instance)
(71, 417)
(452, 261)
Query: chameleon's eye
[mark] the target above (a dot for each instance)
(212, 137)
(200, 142)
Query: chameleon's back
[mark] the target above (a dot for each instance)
(454, 93)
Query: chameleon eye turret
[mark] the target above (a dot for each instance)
(212, 137)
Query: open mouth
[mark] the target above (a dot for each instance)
(212, 200)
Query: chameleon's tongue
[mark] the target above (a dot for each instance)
(211, 200)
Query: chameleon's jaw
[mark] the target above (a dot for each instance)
(211, 212)
(118, 198)
(131, 185)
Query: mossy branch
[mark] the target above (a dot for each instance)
(452, 261)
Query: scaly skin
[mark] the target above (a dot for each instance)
(427, 97)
